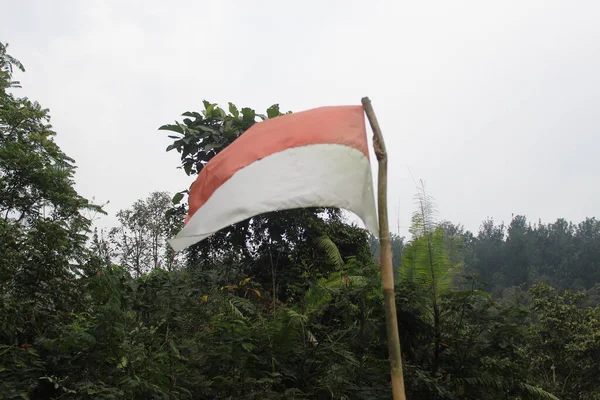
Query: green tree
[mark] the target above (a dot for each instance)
(140, 242)
(564, 343)
(283, 305)
(43, 236)
(426, 263)
(274, 247)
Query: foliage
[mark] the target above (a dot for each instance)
(202, 135)
(140, 242)
(43, 236)
(275, 248)
(284, 305)
(468, 345)
(426, 265)
(565, 343)
(7, 67)
(561, 254)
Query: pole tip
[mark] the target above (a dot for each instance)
(365, 100)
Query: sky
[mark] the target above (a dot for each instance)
(493, 104)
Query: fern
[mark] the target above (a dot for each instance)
(498, 384)
(482, 382)
(425, 262)
(535, 392)
(320, 293)
(331, 251)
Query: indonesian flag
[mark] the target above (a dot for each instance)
(314, 158)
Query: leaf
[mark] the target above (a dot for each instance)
(536, 392)
(192, 114)
(183, 127)
(221, 113)
(210, 147)
(208, 129)
(248, 347)
(273, 111)
(248, 114)
(123, 363)
(233, 110)
(177, 198)
(209, 110)
(170, 127)
(187, 167)
(333, 253)
(174, 349)
(244, 281)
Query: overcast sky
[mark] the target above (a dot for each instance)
(494, 104)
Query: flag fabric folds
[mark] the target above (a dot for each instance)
(314, 158)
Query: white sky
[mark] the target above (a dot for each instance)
(494, 104)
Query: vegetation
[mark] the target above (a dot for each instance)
(286, 305)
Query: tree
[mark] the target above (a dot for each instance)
(564, 344)
(43, 234)
(140, 242)
(426, 264)
(271, 247)
(488, 253)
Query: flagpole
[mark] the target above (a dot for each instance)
(387, 272)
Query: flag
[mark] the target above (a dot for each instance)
(313, 158)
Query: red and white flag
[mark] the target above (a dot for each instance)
(314, 158)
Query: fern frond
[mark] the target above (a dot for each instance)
(497, 383)
(357, 280)
(292, 326)
(424, 218)
(320, 293)
(237, 307)
(482, 382)
(536, 392)
(425, 263)
(234, 310)
(331, 251)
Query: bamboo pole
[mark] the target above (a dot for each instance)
(387, 272)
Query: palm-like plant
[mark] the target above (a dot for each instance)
(425, 262)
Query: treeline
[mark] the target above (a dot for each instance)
(561, 254)
(505, 258)
(286, 305)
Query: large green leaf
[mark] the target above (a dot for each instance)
(273, 111)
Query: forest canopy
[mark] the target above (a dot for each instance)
(283, 305)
